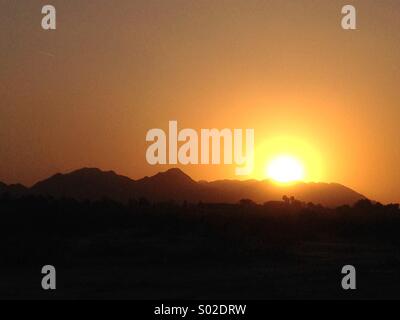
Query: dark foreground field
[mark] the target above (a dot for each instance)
(197, 251)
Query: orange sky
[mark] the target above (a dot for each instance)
(86, 94)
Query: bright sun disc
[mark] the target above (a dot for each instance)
(285, 169)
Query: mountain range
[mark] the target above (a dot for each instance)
(174, 184)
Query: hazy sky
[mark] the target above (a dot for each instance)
(87, 93)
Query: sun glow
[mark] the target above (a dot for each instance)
(285, 169)
(286, 159)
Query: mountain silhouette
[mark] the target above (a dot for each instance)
(3, 187)
(86, 183)
(13, 189)
(175, 185)
(327, 194)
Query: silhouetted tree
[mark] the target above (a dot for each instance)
(286, 199)
(363, 204)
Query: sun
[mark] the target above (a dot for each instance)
(285, 169)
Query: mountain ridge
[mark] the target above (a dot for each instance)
(174, 184)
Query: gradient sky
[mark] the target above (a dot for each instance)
(87, 93)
